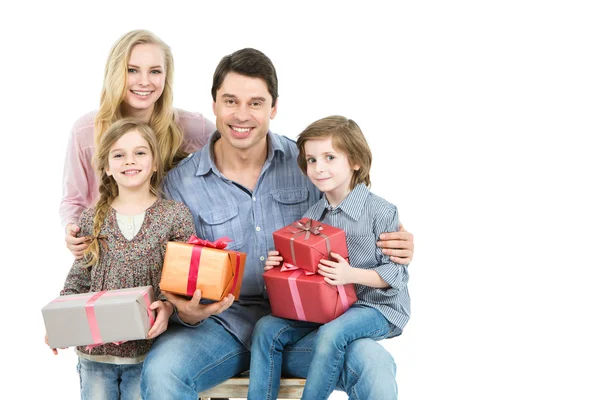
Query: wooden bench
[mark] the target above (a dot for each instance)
(290, 388)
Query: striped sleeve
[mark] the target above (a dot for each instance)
(386, 220)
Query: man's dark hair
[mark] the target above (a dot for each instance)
(247, 62)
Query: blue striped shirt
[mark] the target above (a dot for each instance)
(222, 207)
(364, 216)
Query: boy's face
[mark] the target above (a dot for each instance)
(328, 169)
(243, 109)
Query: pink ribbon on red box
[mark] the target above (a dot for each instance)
(296, 300)
(198, 243)
(91, 312)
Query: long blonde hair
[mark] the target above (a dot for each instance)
(114, 89)
(109, 189)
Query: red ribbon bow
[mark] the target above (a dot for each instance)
(198, 243)
(220, 243)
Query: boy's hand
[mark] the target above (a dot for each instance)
(164, 309)
(273, 260)
(337, 272)
(75, 244)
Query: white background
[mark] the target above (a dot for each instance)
(481, 116)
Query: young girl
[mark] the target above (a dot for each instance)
(138, 82)
(129, 227)
(336, 157)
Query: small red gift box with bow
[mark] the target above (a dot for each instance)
(204, 265)
(305, 242)
(296, 294)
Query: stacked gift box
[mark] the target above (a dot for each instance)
(295, 290)
(204, 265)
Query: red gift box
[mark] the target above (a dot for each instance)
(305, 242)
(295, 295)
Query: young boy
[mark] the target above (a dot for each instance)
(335, 155)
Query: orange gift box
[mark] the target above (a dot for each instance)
(202, 265)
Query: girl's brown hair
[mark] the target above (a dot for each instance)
(109, 189)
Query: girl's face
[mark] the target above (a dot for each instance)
(328, 169)
(130, 162)
(145, 79)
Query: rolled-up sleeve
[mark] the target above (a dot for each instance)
(394, 274)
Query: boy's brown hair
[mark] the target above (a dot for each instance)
(347, 138)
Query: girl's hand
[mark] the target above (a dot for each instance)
(337, 272)
(164, 310)
(273, 260)
(75, 244)
(55, 351)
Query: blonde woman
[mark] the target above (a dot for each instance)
(133, 223)
(138, 83)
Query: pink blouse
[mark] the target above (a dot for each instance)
(80, 183)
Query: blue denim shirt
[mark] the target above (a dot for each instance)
(222, 207)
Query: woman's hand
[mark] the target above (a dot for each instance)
(76, 245)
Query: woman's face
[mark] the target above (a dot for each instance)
(145, 80)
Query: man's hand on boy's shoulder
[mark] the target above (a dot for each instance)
(399, 245)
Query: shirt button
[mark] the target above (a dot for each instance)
(130, 227)
(254, 198)
(262, 258)
(258, 229)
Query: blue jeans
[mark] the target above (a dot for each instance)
(102, 381)
(184, 361)
(272, 335)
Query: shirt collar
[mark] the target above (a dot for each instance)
(352, 205)
(207, 154)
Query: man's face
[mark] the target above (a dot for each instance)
(243, 109)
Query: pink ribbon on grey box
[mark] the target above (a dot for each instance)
(91, 312)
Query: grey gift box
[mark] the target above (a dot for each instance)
(119, 315)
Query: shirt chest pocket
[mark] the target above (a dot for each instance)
(292, 203)
(217, 223)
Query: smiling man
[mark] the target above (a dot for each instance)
(245, 185)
